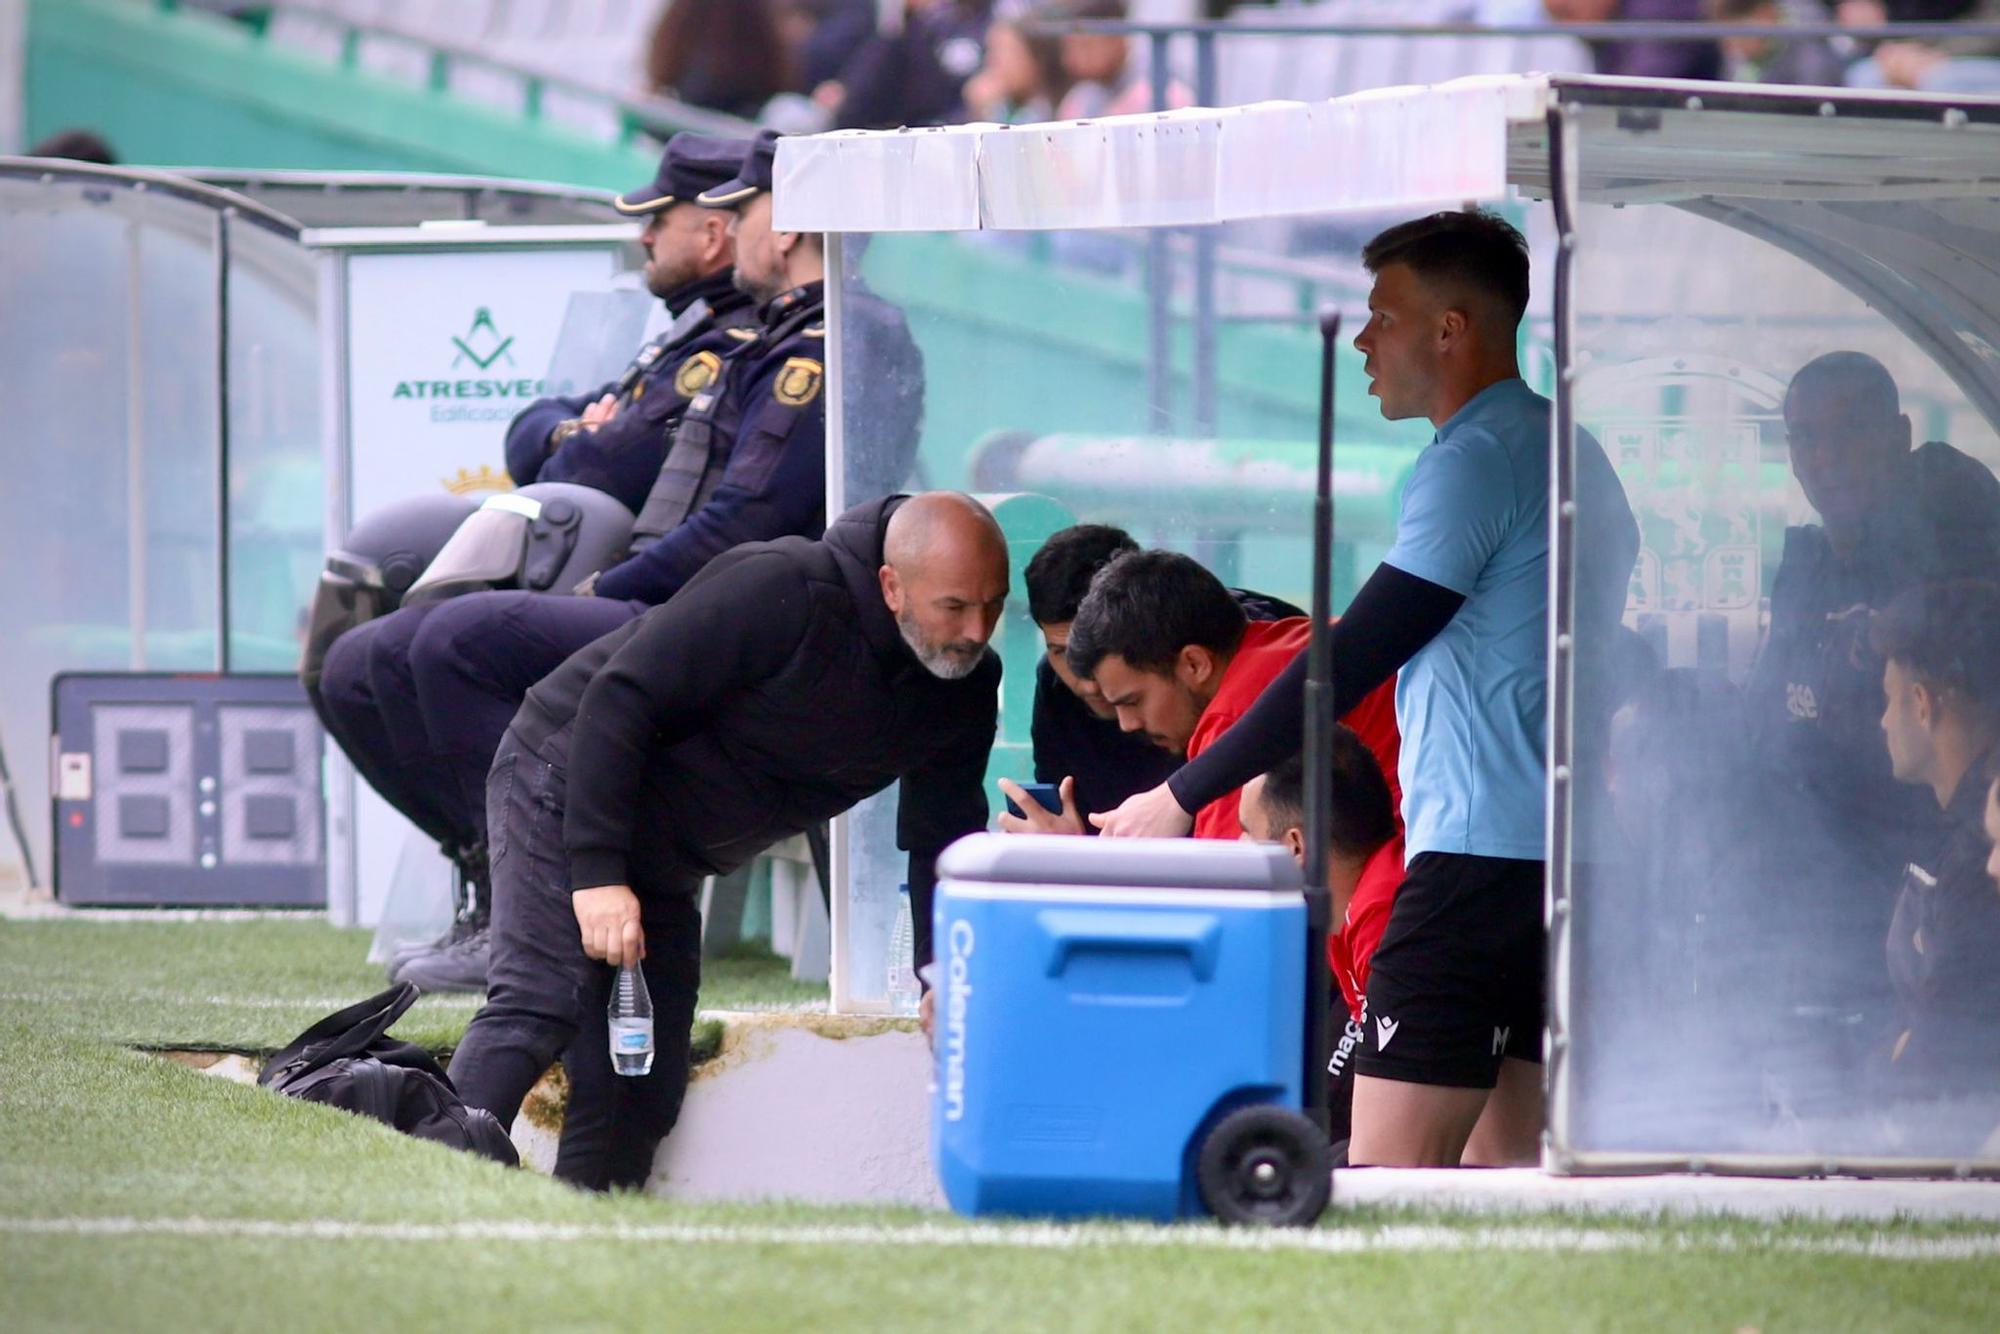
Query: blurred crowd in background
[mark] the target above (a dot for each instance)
(818, 64)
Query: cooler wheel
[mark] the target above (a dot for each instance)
(1266, 1166)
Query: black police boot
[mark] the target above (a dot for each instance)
(458, 962)
(469, 898)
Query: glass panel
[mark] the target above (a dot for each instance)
(276, 480)
(111, 514)
(1781, 945)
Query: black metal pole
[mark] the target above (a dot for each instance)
(1318, 742)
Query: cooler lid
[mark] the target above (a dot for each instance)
(1145, 863)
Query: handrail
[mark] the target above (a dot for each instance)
(1656, 30)
(467, 192)
(304, 177)
(214, 197)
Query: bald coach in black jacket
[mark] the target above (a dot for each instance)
(784, 683)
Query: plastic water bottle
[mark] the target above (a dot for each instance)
(631, 1019)
(903, 990)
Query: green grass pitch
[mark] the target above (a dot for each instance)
(137, 1194)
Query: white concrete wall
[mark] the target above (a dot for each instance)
(806, 1107)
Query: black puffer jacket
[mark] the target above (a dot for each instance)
(770, 693)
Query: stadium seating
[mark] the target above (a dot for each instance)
(1259, 68)
(601, 44)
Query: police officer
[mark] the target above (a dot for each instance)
(1838, 826)
(682, 745)
(614, 438)
(745, 464)
(616, 445)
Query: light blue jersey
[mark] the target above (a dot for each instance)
(1472, 705)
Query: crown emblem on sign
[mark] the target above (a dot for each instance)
(469, 481)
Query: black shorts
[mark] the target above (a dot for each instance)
(1461, 976)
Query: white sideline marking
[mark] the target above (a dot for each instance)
(327, 1003)
(1033, 1237)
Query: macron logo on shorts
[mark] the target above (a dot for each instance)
(1500, 1036)
(1385, 1028)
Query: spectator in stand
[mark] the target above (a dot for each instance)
(1022, 80)
(1941, 644)
(1364, 868)
(726, 55)
(1108, 79)
(912, 75)
(1993, 832)
(1798, 60)
(76, 146)
(1650, 59)
(1953, 65)
(1177, 660)
(823, 35)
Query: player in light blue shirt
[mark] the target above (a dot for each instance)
(1472, 703)
(1449, 1067)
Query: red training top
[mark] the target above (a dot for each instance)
(1351, 949)
(1268, 647)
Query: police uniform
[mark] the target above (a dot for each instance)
(367, 687)
(548, 442)
(747, 464)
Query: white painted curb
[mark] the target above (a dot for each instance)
(805, 1107)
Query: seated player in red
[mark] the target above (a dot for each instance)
(1364, 869)
(1172, 653)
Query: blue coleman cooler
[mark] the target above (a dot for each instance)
(1121, 1030)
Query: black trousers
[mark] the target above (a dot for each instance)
(364, 685)
(420, 698)
(545, 998)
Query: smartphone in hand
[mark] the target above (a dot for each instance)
(1048, 794)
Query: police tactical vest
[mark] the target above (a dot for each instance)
(702, 438)
(687, 325)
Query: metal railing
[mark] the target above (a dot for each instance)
(1206, 35)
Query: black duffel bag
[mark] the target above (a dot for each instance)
(345, 1061)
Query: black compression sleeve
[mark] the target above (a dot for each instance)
(1394, 615)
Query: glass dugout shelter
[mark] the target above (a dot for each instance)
(1730, 845)
(214, 373)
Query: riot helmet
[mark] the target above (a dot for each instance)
(546, 537)
(368, 573)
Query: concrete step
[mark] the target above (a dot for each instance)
(833, 1110)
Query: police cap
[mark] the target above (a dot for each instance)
(752, 175)
(692, 163)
